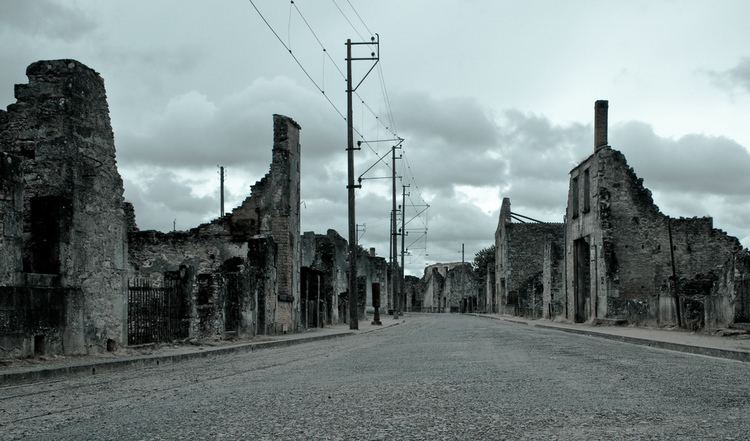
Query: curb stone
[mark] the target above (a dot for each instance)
(156, 360)
(151, 360)
(677, 347)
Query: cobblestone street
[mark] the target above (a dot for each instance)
(434, 377)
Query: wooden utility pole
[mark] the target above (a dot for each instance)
(353, 294)
(353, 318)
(394, 239)
(221, 191)
(403, 248)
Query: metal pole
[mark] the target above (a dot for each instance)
(353, 318)
(221, 172)
(403, 240)
(394, 238)
(462, 253)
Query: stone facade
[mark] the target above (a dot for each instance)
(445, 286)
(519, 262)
(553, 296)
(325, 254)
(328, 255)
(242, 271)
(414, 292)
(64, 252)
(624, 259)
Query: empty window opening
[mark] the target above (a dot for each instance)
(574, 201)
(586, 191)
(39, 348)
(205, 294)
(47, 215)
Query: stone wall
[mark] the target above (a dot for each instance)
(460, 284)
(627, 260)
(553, 282)
(11, 219)
(520, 249)
(445, 285)
(73, 221)
(327, 254)
(414, 292)
(260, 240)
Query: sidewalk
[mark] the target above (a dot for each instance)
(731, 347)
(34, 369)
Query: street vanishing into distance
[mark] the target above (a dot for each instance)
(438, 376)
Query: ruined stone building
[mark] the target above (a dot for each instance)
(520, 247)
(373, 273)
(325, 275)
(625, 260)
(63, 248)
(446, 285)
(239, 274)
(413, 292)
(76, 274)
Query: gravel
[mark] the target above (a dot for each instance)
(438, 376)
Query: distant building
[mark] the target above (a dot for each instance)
(520, 246)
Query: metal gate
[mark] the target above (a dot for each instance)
(156, 314)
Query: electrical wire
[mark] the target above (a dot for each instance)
(297, 61)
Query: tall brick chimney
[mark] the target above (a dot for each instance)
(600, 123)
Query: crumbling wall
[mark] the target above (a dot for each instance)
(273, 208)
(460, 284)
(520, 251)
(327, 254)
(11, 219)
(434, 281)
(263, 232)
(207, 258)
(553, 296)
(414, 293)
(634, 250)
(73, 221)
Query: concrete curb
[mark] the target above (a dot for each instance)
(43, 373)
(152, 360)
(678, 347)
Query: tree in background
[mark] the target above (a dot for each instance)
(482, 259)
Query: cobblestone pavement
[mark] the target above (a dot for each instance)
(433, 377)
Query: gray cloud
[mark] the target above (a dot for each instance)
(736, 78)
(457, 121)
(193, 130)
(46, 18)
(693, 163)
(163, 197)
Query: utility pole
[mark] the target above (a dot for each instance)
(221, 191)
(462, 253)
(353, 294)
(394, 237)
(403, 242)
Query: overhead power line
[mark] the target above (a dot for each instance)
(296, 60)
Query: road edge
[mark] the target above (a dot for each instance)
(658, 344)
(154, 360)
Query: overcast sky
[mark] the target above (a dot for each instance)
(494, 98)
